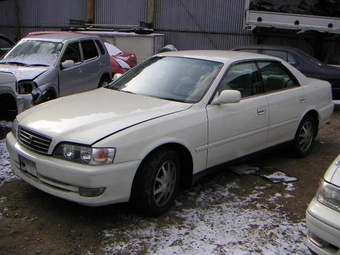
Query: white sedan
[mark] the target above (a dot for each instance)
(323, 214)
(160, 125)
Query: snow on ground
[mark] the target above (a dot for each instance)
(221, 223)
(211, 228)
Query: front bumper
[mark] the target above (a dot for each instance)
(323, 226)
(65, 179)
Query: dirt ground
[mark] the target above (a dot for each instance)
(36, 223)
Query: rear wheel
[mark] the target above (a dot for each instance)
(156, 183)
(304, 137)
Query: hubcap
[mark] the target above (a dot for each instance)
(306, 136)
(164, 183)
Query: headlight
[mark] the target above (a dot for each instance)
(15, 128)
(26, 87)
(329, 195)
(85, 154)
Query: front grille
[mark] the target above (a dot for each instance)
(34, 141)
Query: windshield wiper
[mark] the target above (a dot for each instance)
(38, 65)
(16, 63)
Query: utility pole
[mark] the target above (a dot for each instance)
(91, 10)
(150, 12)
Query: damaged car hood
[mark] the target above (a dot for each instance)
(90, 116)
(24, 72)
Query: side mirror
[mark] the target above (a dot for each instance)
(67, 64)
(117, 76)
(227, 97)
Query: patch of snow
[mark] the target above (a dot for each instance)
(6, 173)
(279, 176)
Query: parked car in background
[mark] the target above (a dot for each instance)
(10, 103)
(49, 66)
(305, 63)
(323, 214)
(5, 44)
(163, 123)
(120, 62)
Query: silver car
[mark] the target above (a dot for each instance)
(49, 66)
(323, 214)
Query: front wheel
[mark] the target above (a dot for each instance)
(304, 137)
(103, 82)
(156, 183)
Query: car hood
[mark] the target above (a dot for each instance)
(332, 175)
(23, 72)
(88, 117)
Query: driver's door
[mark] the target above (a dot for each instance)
(238, 129)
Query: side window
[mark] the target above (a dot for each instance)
(243, 77)
(276, 77)
(100, 46)
(89, 49)
(72, 52)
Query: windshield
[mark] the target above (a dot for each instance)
(33, 53)
(171, 78)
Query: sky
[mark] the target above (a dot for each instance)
(220, 223)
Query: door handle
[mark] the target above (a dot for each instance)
(80, 70)
(302, 99)
(261, 111)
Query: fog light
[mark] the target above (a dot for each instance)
(91, 192)
(317, 240)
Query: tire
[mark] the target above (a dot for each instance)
(156, 183)
(304, 137)
(50, 95)
(103, 81)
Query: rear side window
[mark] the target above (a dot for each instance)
(89, 49)
(276, 77)
(100, 46)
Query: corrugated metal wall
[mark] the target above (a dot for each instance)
(120, 12)
(19, 17)
(187, 24)
(201, 24)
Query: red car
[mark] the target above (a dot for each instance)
(120, 62)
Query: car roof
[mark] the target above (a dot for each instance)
(223, 56)
(57, 36)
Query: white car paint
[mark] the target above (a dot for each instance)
(323, 222)
(137, 123)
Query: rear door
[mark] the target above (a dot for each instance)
(238, 129)
(286, 101)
